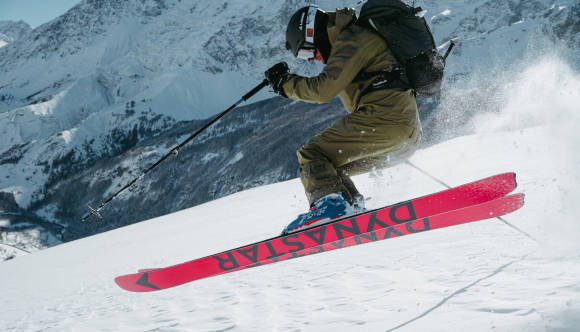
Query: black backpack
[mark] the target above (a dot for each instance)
(411, 41)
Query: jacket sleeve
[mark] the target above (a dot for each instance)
(346, 60)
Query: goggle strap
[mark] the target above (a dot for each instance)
(310, 23)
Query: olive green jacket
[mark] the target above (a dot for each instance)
(354, 49)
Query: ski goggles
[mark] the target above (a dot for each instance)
(306, 53)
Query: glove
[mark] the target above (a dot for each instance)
(277, 76)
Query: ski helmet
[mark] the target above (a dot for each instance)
(301, 31)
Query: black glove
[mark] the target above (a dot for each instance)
(277, 76)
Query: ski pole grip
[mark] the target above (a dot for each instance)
(255, 90)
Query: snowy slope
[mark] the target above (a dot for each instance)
(478, 277)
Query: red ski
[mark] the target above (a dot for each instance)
(471, 202)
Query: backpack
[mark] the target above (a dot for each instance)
(411, 41)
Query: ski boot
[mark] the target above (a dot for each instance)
(325, 209)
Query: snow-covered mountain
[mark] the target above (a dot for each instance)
(11, 31)
(93, 97)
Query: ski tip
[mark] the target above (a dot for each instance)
(511, 176)
(517, 202)
(507, 179)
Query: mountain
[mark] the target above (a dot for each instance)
(11, 31)
(92, 98)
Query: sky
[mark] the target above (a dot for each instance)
(34, 12)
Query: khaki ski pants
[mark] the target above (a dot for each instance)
(367, 139)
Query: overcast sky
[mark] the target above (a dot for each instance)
(34, 12)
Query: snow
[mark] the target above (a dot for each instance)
(209, 156)
(481, 276)
(234, 159)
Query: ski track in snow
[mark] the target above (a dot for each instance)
(457, 292)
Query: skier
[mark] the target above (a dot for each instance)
(382, 126)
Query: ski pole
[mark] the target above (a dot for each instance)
(451, 45)
(173, 152)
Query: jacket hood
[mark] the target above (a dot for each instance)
(338, 21)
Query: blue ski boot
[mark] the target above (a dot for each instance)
(325, 209)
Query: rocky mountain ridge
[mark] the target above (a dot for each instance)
(12, 30)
